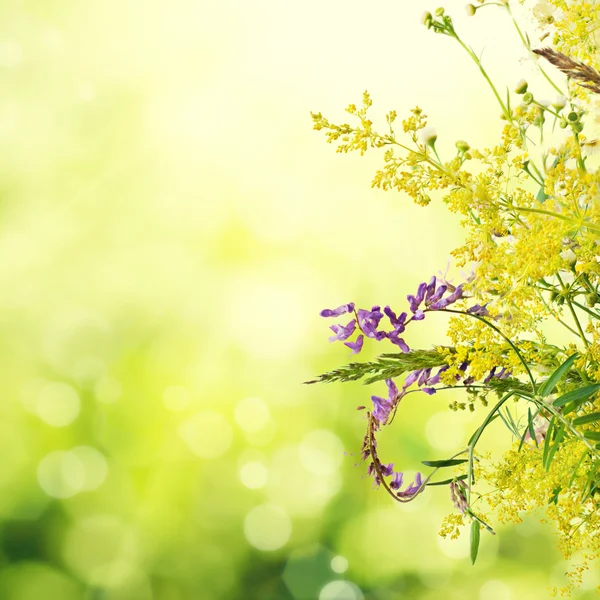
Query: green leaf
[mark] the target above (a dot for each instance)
(541, 195)
(553, 447)
(577, 396)
(592, 435)
(530, 427)
(591, 418)
(438, 464)
(475, 535)
(447, 481)
(551, 382)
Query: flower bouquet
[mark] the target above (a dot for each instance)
(530, 208)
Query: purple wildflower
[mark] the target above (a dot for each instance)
(384, 406)
(423, 378)
(490, 375)
(479, 310)
(340, 310)
(412, 489)
(396, 482)
(430, 391)
(368, 321)
(397, 322)
(395, 338)
(386, 470)
(430, 289)
(436, 378)
(411, 378)
(356, 346)
(342, 332)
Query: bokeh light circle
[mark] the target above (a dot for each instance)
(61, 474)
(57, 404)
(254, 475)
(340, 590)
(495, 589)
(107, 390)
(321, 452)
(252, 414)
(95, 465)
(444, 430)
(267, 527)
(207, 434)
(339, 564)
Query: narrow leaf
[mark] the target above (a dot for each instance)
(447, 481)
(548, 442)
(530, 427)
(438, 464)
(578, 396)
(475, 535)
(551, 382)
(591, 418)
(592, 435)
(560, 430)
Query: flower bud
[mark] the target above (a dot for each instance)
(521, 87)
(559, 103)
(527, 98)
(426, 19)
(562, 123)
(462, 146)
(591, 299)
(439, 12)
(429, 136)
(573, 117)
(569, 257)
(578, 127)
(470, 10)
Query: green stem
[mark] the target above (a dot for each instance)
(565, 290)
(485, 75)
(557, 216)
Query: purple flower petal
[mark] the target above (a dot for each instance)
(479, 310)
(412, 489)
(336, 312)
(356, 346)
(430, 288)
(387, 470)
(398, 341)
(490, 375)
(392, 388)
(438, 294)
(411, 378)
(396, 482)
(429, 390)
(342, 332)
(382, 409)
(424, 377)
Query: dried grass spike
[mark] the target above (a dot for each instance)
(589, 77)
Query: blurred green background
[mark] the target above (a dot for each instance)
(171, 227)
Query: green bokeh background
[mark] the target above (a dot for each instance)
(171, 227)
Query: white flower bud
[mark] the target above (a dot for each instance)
(559, 102)
(521, 87)
(470, 10)
(428, 136)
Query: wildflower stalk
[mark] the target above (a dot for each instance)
(567, 297)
